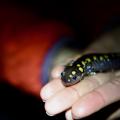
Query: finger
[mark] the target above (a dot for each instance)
(61, 101)
(97, 99)
(51, 88)
(115, 115)
(91, 82)
(56, 72)
(54, 85)
(68, 115)
(70, 95)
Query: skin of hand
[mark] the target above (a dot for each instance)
(82, 99)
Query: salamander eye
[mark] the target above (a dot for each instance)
(74, 77)
(62, 74)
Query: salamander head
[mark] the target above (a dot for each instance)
(71, 76)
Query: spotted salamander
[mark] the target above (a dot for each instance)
(89, 64)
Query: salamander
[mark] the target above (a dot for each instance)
(89, 64)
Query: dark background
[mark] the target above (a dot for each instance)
(89, 20)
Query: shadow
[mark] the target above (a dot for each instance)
(16, 105)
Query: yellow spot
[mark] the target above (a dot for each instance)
(73, 72)
(70, 76)
(101, 58)
(78, 65)
(81, 69)
(106, 56)
(94, 57)
(68, 80)
(88, 59)
(83, 63)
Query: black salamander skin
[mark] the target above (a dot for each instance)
(89, 64)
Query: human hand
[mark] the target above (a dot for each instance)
(82, 99)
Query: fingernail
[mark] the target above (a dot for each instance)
(79, 113)
(49, 114)
(69, 115)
